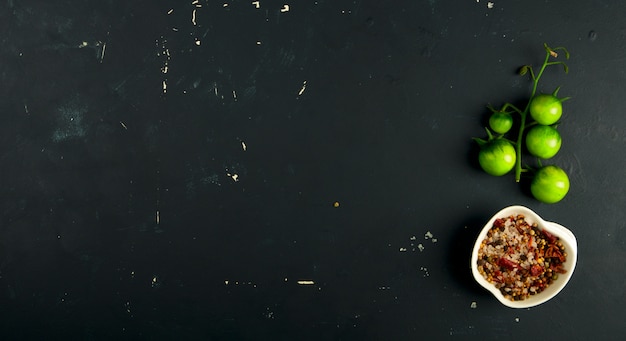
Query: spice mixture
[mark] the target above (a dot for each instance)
(520, 259)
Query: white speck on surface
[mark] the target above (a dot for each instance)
(285, 8)
(257, 4)
(225, 5)
(164, 86)
(193, 17)
(302, 89)
(517, 319)
(425, 271)
(170, 11)
(428, 235)
(434, 240)
(123, 125)
(158, 217)
(305, 282)
(243, 146)
(420, 247)
(197, 42)
(413, 238)
(403, 249)
(490, 4)
(473, 305)
(104, 46)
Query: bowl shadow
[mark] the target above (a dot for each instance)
(460, 252)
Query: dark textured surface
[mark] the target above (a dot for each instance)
(130, 212)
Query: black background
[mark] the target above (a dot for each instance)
(130, 212)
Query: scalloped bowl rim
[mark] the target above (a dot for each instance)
(566, 237)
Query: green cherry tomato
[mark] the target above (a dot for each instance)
(543, 141)
(500, 122)
(550, 184)
(497, 157)
(546, 109)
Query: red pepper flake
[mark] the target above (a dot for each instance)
(552, 239)
(507, 263)
(536, 270)
(499, 223)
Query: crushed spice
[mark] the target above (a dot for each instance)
(519, 258)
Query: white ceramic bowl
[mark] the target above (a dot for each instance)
(566, 237)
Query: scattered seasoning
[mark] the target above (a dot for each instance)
(520, 259)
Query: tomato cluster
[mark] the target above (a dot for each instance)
(499, 155)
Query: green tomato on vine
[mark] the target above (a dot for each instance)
(497, 157)
(550, 184)
(543, 141)
(501, 122)
(546, 109)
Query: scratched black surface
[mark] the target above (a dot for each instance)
(130, 211)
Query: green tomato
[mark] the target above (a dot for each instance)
(546, 109)
(497, 157)
(543, 141)
(550, 184)
(500, 122)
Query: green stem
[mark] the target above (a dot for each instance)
(507, 105)
(524, 114)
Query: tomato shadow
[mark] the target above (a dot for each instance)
(460, 250)
(524, 184)
(472, 155)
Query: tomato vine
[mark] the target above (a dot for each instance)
(543, 109)
(550, 52)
